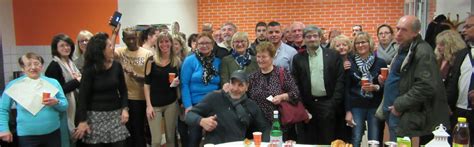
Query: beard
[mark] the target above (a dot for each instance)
(313, 45)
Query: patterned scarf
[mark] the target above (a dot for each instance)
(364, 64)
(242, 60)
(209, 71)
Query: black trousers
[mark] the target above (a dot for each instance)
(136, 123)
(321, 129)
(183, 133)
(114, 144)
(52, 139)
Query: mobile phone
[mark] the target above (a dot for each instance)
(116, 18)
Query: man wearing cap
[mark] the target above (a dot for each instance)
(226, 116)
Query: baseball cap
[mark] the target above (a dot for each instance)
(240, 75)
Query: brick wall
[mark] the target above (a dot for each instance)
(432, 10)
(328, 14)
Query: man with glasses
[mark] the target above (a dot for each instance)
(414, 97)
(284, 53)
(387, 47)
(319, 74)
(260, 30)
(460, 86)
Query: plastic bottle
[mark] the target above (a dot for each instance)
(461, 133)
(404, 141)
(276, 135)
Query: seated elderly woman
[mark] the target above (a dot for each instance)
(37, 113)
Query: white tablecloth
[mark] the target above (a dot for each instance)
(264, 144)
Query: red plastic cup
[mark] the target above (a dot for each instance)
(171, 77)
(257, 138)
(46, 96)
(384, 72)
(364, 81)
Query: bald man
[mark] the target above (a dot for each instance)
(414, 96)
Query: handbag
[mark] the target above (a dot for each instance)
(291, 113)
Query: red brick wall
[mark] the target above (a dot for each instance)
(432, 10)
(328, 14)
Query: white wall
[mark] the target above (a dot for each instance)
(160, 12)
(11, 52)
(454, 7)
(134, 12)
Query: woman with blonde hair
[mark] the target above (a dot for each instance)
(448, 43)
(239, 59)
(82, 39)
(342, 44)
(161, 93)
(179, 46)
(362, 99)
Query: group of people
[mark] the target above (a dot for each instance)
(220, 83)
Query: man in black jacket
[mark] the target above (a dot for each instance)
(319, 74)
(226, 116)
(460, 83)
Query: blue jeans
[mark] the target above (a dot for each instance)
(360, 115)
(392, 122)
(195, 136)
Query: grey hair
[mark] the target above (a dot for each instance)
(230, 24)
(416, 26)
(312, 28)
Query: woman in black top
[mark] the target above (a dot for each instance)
(102, 106)
(161, 90)
(63, 69)
(362, 98)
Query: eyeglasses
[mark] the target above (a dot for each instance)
(240, 41)
(360, 43)
(83, 41)
(311, 36)
(33, 64)
(384, 33)
(204, 43)
(468, 26)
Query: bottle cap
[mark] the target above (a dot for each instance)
(275, 112)
(461, 119)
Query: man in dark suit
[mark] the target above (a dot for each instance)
(319, 75)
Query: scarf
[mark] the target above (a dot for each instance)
(242, 60)
(364, 64)
(208, 69)
(68, 69)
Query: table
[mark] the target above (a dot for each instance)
(264, 144)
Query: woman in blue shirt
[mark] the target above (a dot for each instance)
(199, 76)
(34, 129)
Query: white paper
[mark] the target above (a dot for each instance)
(29, 93)
(270, 98)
